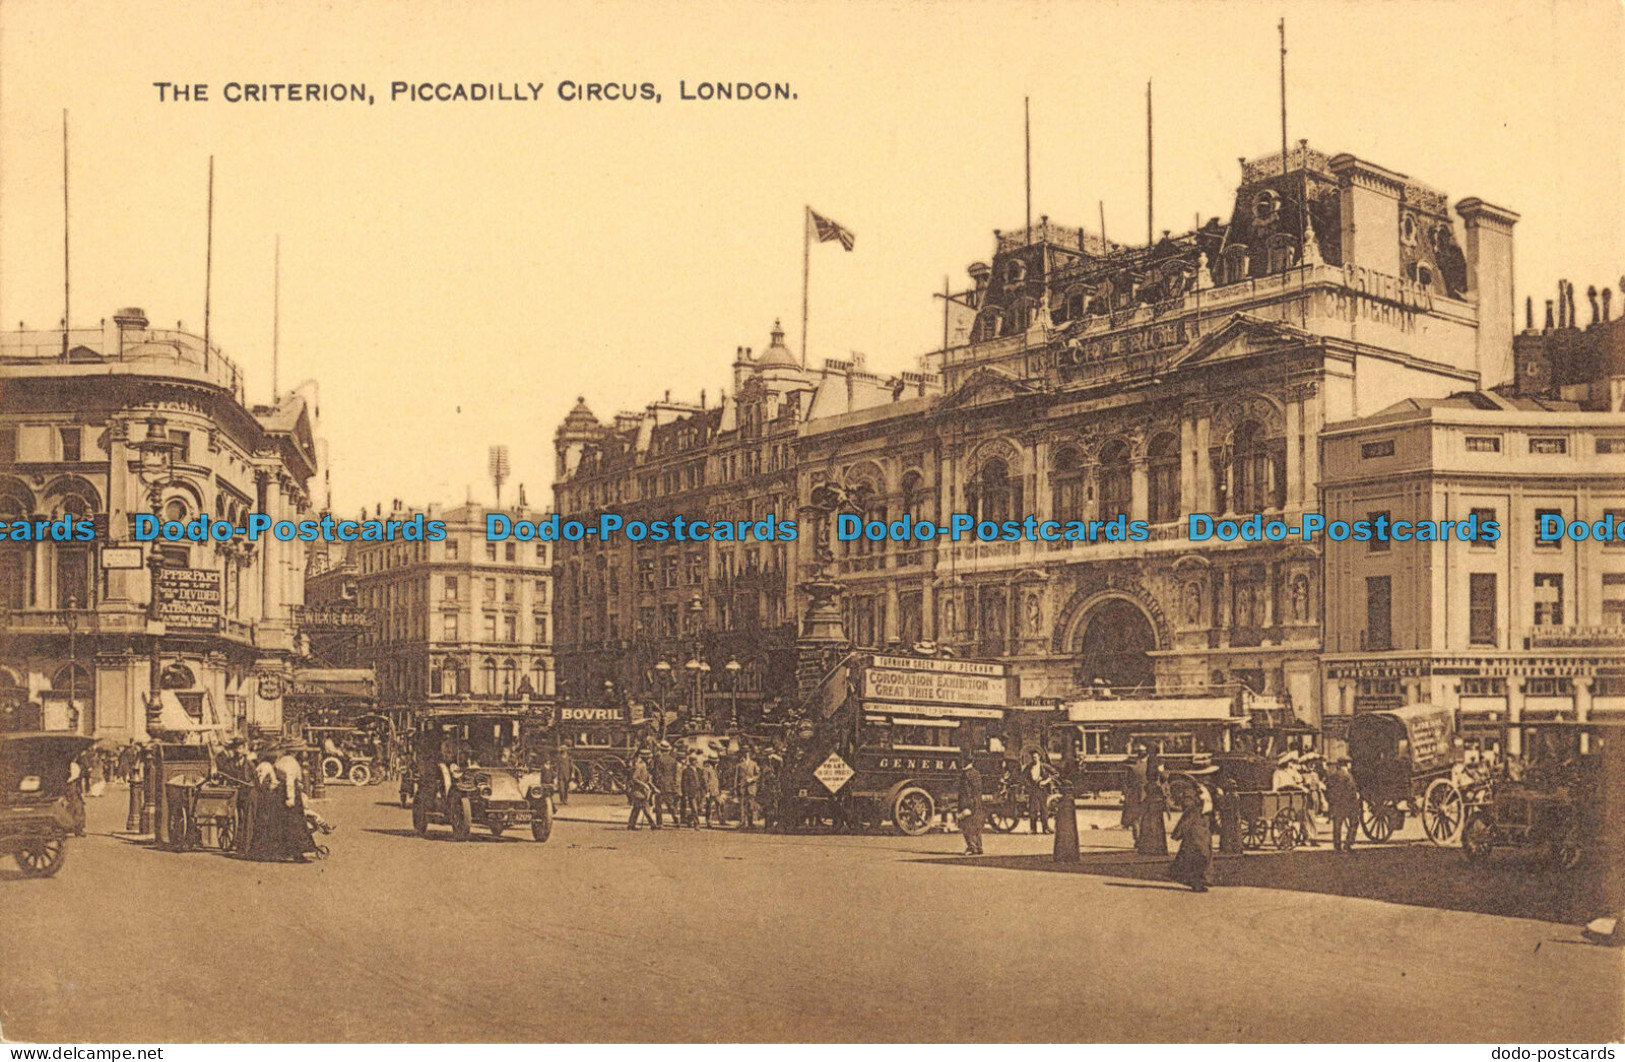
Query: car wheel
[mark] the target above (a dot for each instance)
(912, 811)
(420, 816)
(496, 829)
(42, 856)
(360, 774)
(462, 818)
(332, 768)
(541, 827)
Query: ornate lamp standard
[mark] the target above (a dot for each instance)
(733, 667)
(157, 452)
(663, 679)
(699, 669)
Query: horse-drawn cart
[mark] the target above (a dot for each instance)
(1404, 759)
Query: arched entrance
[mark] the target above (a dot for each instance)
(1117, 636)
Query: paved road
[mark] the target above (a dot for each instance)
(602, 934)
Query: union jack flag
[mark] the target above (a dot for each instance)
(830, 230)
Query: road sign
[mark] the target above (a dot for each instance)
(834, 773)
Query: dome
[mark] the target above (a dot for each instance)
(777, 355)
(579, 418)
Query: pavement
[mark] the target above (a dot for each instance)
(722, 935)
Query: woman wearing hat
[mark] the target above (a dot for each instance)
(1190, 866)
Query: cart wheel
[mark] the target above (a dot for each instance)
(41, 857)
(180, 828)
(1442, 811)
(1377, 820)
(1003, 818)
(541, 827)
(360, 774)
(912, 811)
(319, 851)
(1254, 832)
(462, 818)
(613, 779)
(420, 816)
(1285, 830)
(226, 834)
(1477, 838)
(332, 768)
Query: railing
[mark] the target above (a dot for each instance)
(161, 351)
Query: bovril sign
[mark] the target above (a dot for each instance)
(592, 715)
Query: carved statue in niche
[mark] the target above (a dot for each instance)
(1300, 598)
(950, 618)
(1034, 614)
(1193, 603)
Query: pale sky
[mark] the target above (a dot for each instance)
(454, 274)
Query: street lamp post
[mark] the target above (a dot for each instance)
(663, 673)
(699, 669)
(732, 667)
(73, 665)
(157, 470)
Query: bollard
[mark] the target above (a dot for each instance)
(1066, 824)
(132, 820)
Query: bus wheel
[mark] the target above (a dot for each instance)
(912, 811)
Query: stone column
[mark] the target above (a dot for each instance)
(1190, 498)
(1515, 694)
(1294, 446)
(1139, 489)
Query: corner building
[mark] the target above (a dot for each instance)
(1087, 380)
(111, 422)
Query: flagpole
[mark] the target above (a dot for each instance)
(806, 271)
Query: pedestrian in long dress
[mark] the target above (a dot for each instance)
(1133, 790)
(1152, 836)
(1190, 866)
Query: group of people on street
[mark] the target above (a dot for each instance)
(273, 823)
(688, 785)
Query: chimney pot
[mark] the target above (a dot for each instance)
(1607, 297)
(1548, 315)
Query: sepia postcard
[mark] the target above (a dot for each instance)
(1053, 522)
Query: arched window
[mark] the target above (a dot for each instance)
(16, 558)
(175, 509)
(490, 668)
(451, 680)
(538, 678)
(1283, 252)
(988, 324)
(994, 494)
(1233, 264)
(1164, 478)
(914, 495)
(1116, 480)
(510, 677)
(1258, 470)
(1066, 484)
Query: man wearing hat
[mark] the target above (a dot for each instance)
(970, 805)
(1343, 805)
(748, 780)
(639, 791)
(666, 781)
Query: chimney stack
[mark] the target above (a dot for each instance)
(1489, 250)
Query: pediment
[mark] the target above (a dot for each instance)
(1240, 338)
(985, 387)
